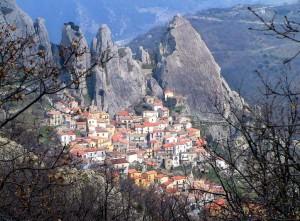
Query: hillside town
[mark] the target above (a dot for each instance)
(151, 149)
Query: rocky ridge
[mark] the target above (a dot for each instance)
(78, 65)
(186, 66)
(181, 62)
(118, 81)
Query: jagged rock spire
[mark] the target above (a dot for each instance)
(72, 34)
(187, 66)
(43, 38)
(103, 41)
(119, 82)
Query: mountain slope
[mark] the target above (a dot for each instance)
(187, 67)
(238, 50)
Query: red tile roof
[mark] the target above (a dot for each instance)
(175, 178)
(151, 172)
(149, 124)
(123, 113)
(168, 145)
(118, 161)
(69, 133)
(132, 171)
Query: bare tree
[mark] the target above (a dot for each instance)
(261, 155)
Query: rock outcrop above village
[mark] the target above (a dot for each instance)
(43, 38)
(187, 66)
(72, 37)
(181, 62)
(119, 80)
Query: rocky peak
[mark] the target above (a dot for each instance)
(103, 41)
(11, 14)
(71, 35)
(187, 67)
(178, 21)
(71, 32)
(120, 82)
(43, 38)
(144, 56)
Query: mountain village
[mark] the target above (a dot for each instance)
(152, 149)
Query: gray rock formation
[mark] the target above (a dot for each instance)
(72, 37)
(43, 38)
(103, 41)
(144, 56)
(187, 66)
(11, 14)
(22, 27)
(119, 81)
(154, 88)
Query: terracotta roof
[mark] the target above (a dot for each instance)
(216, 204)
(123, 113)
(151, 164)
(151, 172)
(148, 124)
(168, 145)
(171, 190)
(159, 176)
(70, 133)
(118, 161)
(167, 183)
(178, 178)
(132, 171)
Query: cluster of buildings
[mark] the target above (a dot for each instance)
(153, 141)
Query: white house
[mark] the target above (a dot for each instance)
(93, 154)
(66, 137)
(150, 114)
(99, 133)
(120, 164)
(171, 139)
(132, 157)
(92, 123)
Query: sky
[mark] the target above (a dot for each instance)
(126, 18)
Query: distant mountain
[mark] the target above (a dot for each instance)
(238, 50)
(127, 18)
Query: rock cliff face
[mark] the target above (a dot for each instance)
(144, 56)
(119, 82)
(182, 62)
(72, 37)
(11, 14)
(43, 38)
(186, 66)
